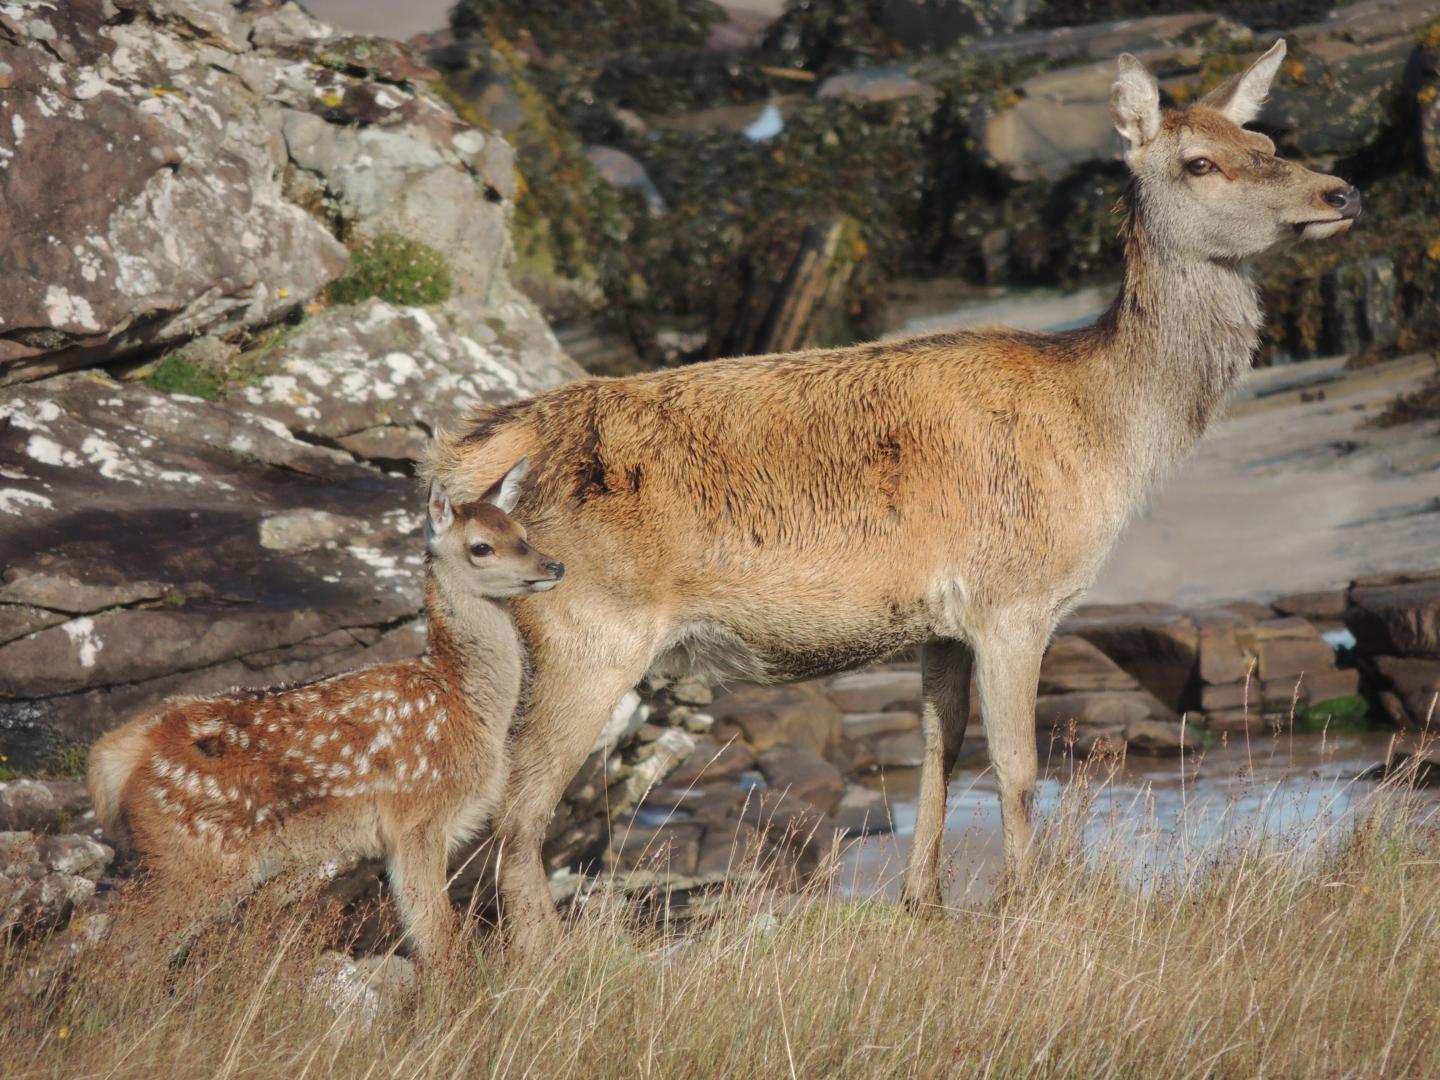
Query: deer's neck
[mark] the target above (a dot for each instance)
(475, 641)
(1175, 340)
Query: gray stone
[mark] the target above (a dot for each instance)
(1395, 619)
(78, 856)
(901, 750)
(1073, 664)
(804, 775)
(876, 691)
(624, 172)
(1359, 305)
(1160, 738)
(1099, 710)
(366, 986)
(1415, 683)
(27, 805)
(871, 725)
(873, 85)
(1159, 648)
(863, 811)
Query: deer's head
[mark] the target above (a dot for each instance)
(1209, 189)
(478, 550)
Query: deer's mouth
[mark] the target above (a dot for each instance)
(543, 585)
(1322, 230)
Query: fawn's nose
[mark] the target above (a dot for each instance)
(1345, 200)
(557, 569)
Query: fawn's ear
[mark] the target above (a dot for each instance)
(442, 514)
(1239, 97)
(506, 493)
(1135, 103)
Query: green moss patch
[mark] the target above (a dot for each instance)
(396, 269)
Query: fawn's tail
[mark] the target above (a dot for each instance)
(112, 759)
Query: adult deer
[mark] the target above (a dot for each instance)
(775, 518)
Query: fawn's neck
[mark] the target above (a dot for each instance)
(1175, 340)
(476, 640)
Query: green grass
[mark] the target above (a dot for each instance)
(177, 374)
(1349, 713)
(396, 269)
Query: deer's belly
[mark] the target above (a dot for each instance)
(787, 649)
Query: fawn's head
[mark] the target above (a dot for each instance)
(1208, 189)
(478, 549)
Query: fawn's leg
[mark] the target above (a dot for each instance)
(945, 674)
(1008, 656)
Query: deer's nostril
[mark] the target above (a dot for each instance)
(1345, 200)
(556, 568)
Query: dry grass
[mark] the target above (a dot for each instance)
(1317, 957)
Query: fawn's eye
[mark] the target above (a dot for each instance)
(479, 551)
(1199, 166)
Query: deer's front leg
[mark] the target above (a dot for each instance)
(1007, 656)
(945, 674)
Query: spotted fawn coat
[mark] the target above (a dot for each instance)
(402, 760)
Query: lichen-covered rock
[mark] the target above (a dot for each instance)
(209, 152)
(174, 217)
(162, 532)
(378, 380)
(43, 881)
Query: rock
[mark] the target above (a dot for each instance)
(872, 85)
(1073, 664)
(364, 371)
(195, 232)
(27, 805)
(624, 172)
(1324, 609)
(1159, 738)
(876, 691)
(1395, 619)
(863, 811)
(711, 762)
(769, 716)
(729, 849)
(803, 774)
(901, 750)
(871, 725)
(1289, 647)
(1427, 100)
(1414, 682)
(1100, 710)
(1054, 123)
(77, 856)
(43, 881)
(1227, 654)
(1359, 305)
(671, 849)
(366, 985)
(692, 691)
(1158, 648)
(1106, 40)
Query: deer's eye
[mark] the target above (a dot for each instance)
(1199, 166)
(479, 551)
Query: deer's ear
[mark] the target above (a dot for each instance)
(506, 493)
(1135, 102)
(441, 514)
(1239, 97)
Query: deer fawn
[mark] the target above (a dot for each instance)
(775, 518)
(403, 760)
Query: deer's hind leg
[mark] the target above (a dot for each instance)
(945, 687)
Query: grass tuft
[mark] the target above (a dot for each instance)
(1259, 956)
(396, 269)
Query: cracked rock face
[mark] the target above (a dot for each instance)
(205, 148)
(155, 544)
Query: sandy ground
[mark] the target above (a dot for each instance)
(1290, 493)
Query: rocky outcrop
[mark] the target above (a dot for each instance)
(1396, 623)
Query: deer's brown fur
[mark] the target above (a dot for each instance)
(779, 517)
(402, 760)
